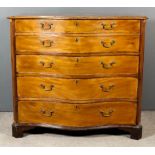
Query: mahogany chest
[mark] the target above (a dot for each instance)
(77, 73)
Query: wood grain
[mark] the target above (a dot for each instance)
(77, 89)
(68, 44)
(141, 64)
(77, 73)
(78, 26)
(77, 65)
(13, 62)
(80, 17)
(84, 115)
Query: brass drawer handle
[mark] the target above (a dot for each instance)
(106, 89)
(47, 43)
(47, 87)
(46, 113)
(46, 64)
(108, 26)
(108, 44)
(107, 113)
(107, 66)
(46, 26)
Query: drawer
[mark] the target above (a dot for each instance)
(83, 115)
(77, 65)
(78, 26)
(72, 44)
(77, 89)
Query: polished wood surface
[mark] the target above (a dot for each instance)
(77, 89)
(13, 62)
(75, 115)
(141, 65)
(69, 44)
(77, 73)
(78, 26)
(43, 64)
(80, 17)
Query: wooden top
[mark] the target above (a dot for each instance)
(79, 17)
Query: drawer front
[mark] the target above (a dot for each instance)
(78, 26)
(83, 115)
(77, 89)
(77, 65)
(71, 44)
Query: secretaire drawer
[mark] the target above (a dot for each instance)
(82, 115)
(78, 26)
(77, 89)
(77, 44)
(46, 64)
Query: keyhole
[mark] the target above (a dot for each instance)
(76, 39)
(76, 81)
(76, 24)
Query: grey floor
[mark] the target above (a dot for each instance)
(49, 139)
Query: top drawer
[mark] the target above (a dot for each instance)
(78, 26)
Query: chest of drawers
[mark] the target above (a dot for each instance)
(77, 73)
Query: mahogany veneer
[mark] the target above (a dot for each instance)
(77, 73)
